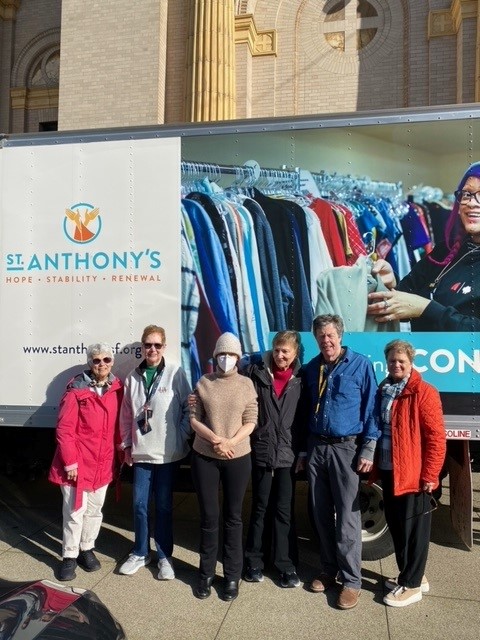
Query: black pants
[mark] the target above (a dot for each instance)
(234, 475)
(409, 519)
(272, 490)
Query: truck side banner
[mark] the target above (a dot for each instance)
(90, 252)
(451, 367)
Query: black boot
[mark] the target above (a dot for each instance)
(230, 590)
(66, 569)
(203, 588)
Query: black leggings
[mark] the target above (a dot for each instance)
(234, 475)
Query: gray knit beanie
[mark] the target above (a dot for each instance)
(228, 343)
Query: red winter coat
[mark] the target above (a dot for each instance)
(87, 432)
(418, 436)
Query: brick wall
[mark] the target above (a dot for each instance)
(123, 62)
(110, 69)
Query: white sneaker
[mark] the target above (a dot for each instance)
(392, 583)
(165, 569)
(402, 597)
(133, 563)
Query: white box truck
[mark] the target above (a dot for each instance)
(90, 241)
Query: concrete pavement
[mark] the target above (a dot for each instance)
(30, 538)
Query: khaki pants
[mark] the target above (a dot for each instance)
(81, 527)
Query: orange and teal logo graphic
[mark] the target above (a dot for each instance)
(82, 223)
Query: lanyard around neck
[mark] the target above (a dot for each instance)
(152, 388)
(323, 376)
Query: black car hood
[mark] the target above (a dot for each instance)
(44, 610)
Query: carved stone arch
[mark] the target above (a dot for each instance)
(46, 42)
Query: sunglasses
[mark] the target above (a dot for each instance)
(106, 360)
(433, 504)
(149, 345)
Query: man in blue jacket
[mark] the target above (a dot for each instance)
(342, 418)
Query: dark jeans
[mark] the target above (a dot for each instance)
(335, 486)
(272, 492)
(234, 475)
(409, 519)
(157, 480)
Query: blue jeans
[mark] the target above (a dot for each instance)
(156, 479)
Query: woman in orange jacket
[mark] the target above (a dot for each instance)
(410, 457)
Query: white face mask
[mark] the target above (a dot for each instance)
(226, 362)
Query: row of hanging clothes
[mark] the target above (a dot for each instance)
(274, 248)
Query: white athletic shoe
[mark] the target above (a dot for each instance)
(402, 597)
(165, 569)
(133, 563)
(392, 583)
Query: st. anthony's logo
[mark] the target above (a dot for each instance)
(82, 223)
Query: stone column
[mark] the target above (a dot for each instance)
(465, 18)
(8, 13)
(210, 84)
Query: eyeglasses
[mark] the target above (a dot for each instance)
(149, 345)
(106, 360)
(463, 197)
(433, 507)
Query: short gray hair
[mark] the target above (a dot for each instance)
(328, 318)
(96, 349)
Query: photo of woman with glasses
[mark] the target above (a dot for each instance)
(154, 430)
(442, 291)
(409, 458)
(84, 461)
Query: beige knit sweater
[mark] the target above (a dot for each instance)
(225, 402)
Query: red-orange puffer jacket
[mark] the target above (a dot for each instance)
(87, 430)
(418, 436)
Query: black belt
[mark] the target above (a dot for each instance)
(330, 440)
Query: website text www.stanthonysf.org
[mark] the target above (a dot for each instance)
(78, 349)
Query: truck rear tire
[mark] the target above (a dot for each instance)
(377, 542)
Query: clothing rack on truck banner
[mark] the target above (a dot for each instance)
(249, 174)
(335, 183)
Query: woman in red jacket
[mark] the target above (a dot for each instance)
(83, 465)
(410, 454)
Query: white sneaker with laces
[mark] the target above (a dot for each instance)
(165, 569)
(402, 597)
(392, 583)
(133, 563)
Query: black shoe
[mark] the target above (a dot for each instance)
(252, 574)
(289, 580)
(88, 560)
(230, 590)
(203, 588)
(66, 570)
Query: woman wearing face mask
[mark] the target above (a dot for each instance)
(223, 417)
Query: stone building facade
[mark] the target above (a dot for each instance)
(119, 63)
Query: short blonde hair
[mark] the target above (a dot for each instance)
(153, 328)
(292, 337)
(402, 346)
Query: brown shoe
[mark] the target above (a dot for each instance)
(322, 583)
(348, 598)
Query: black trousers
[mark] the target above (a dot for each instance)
(234, 475)
(409, 519)
(272, 493)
